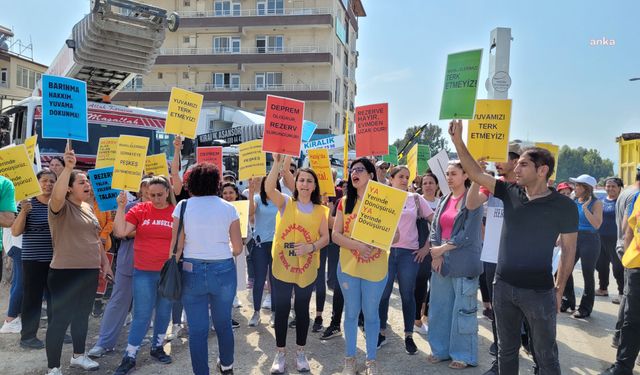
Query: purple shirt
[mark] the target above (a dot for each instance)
(407, 225)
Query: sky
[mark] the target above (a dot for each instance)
(564, 90)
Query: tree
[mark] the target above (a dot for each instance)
(430, 136)
(576, 161)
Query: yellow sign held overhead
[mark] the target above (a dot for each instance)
(130, 162)
(106, 156)
(379, 215)
(242, 207)
(183, 113)
(31, 146)
(488, 132)
(252, 161)
(15, 165)
(320, 163)
(157, 165)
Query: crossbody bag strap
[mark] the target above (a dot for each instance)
(417, 202)
(180, 223)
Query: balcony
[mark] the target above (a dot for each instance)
(237, 92)
(253, 17)
(251, 55)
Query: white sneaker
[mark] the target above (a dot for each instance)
(97, 352)
(279, 363)
(349, 366)
(54, 371)
(84, 363)
(272, 320)
(255, 319)
(236, 302)
(302, 364)
(266, 304)
(423, 329)
(175, 331)
(14, 326)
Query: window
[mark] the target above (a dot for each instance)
(268, 80)
(185, 75)
(26, 78)
(186, 39)
(270, 43)
(226, 44)
(226, 8)
(160, 75)
(135, 83)
(275, 7)
(186, 3)
(338, 127)
(336, 93)
(345, 95)
(226, 81)
(4, 76)
(261, 8)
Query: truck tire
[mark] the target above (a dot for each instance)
(173, 21)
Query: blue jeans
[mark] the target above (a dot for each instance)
(453, 324)
(15, 293)
(210, 282)
(511, 305)
(261, 259)
(145, 299)
(401, 260)
(365, 295)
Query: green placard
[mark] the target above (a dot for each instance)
(392, 157)
(460, 85)
(424, 154)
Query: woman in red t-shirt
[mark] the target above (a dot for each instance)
(152, 223)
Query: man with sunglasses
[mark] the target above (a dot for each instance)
(381, 171)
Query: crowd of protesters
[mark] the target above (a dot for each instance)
(516, 238)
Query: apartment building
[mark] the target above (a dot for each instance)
(239, 51)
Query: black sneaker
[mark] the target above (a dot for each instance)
(224, 372)
(409, 345)
(494, 368)
(330, 332)
(317, 324)
(493, 349)
(127, 364)
(382, 339)
(292, 323)
(32, 343)
(159, 354)
(234, 324)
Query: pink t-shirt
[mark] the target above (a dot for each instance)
(407, 225)
(448, 216)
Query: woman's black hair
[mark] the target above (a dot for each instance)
(615, 180)
(46, 171)
(435, 178)
(352, 192)
(315, 194)
(164, 181)
(263, 193)
(58, 158)
(235, 188)
(458, 164)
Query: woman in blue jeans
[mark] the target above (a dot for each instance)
(152, 223)
(405, 258)
(362, 270)
(262, 213)
(208, 270)
(456, 244)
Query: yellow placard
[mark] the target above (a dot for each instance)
(15, 165)
(106, 156)
(130, 160)
(319, 160)
(242, 207)
(183, 113)
(157, 165)
(379, 215)
(555, 151)
(31, 146)
(488, 132)
(412, 162)
(252, 161)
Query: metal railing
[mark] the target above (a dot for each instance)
(212, 87)
(243, 51)
(255, 12)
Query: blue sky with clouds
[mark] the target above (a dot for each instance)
(564, 90)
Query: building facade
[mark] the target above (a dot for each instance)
(239, 51)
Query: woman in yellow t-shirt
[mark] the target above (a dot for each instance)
(301, 231)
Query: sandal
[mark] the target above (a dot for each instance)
(458, 365)
(433, 359)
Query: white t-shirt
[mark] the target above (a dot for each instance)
(206, 226)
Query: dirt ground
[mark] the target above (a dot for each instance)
(584, 346)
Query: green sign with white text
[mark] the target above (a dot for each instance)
(460, 85)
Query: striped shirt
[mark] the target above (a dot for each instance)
(36, 239)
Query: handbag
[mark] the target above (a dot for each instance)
(170, 285)
(422, 223)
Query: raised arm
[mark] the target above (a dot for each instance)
(175, 165)
(121, 227)
(475, 198)
(272, 180)
(61, 187)
(470, 166)
(287, 177)
(252, 204)
(18, 225)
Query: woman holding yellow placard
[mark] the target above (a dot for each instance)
(301, 231)
(362, 270)
(456, 244)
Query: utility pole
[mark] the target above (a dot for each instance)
(499, 81)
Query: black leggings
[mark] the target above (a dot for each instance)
(72, 294)
(608, 255)
(421, 293)
(281, 297)
(320, 284)
(34, 283)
